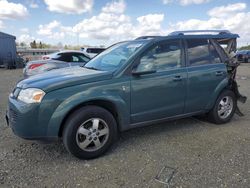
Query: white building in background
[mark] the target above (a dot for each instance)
(30, 54)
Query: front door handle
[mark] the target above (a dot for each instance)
(219, 73)
(177, 78)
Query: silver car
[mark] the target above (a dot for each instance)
(55, 61)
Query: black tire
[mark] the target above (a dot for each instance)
(213, 115)
(74, 122)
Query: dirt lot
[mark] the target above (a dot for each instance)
(186, 153)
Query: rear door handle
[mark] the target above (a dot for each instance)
(219, 73)
(177, 78)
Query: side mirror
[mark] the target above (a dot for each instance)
(139, 73)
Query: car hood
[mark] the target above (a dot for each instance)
(64, 77)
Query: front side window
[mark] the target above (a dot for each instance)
(161, 57)
(79, 58)
(75, 58)
(198, 52)
(83, 58)
(115, 56)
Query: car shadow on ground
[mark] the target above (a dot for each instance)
(128, 138)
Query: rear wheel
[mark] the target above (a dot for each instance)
(89, 132)
(224, 108)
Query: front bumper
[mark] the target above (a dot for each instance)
(24, 120)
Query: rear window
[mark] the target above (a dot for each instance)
(55, 55)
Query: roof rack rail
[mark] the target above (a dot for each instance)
(146, 37)
(200, 31)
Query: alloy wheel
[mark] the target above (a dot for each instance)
(225, 107)
(92, 134)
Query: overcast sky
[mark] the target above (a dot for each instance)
(103, 22)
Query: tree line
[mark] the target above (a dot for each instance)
(34, 44)
(42, 45)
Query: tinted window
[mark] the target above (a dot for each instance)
(64, 57)
(95, 50)
(198, 52)
(161, 57)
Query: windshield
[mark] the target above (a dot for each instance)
(115, 56)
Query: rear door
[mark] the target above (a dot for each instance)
(160, 94)
(205, 72)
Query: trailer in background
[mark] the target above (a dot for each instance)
(8, 54)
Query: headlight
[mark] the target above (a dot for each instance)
(31, 95)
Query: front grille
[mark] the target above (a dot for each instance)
(12, 116)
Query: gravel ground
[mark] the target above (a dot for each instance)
(185, 153)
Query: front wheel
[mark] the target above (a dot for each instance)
(224, 108)
(89, 132)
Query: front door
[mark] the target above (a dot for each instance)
(162, 93)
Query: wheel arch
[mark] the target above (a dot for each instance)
(223, 85)
(104, 103)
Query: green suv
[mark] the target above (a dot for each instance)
(131, 84)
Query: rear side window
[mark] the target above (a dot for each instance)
(64, 57)
(202, 52)
(198, 52)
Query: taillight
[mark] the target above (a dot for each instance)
(33, 66)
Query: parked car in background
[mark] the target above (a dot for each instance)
(243, 56)
(131, 84)
(55, 61)
(91, 51)
(64, 55)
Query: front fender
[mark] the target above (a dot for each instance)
(115, 96)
